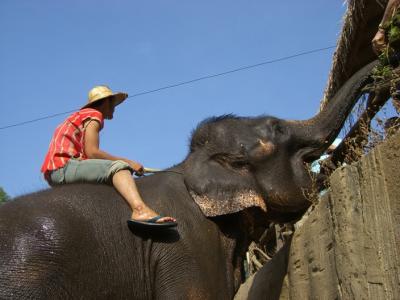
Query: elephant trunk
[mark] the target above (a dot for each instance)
(317, 133)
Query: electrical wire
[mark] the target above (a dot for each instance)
(181, 83)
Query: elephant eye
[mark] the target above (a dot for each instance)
(232, 161)
(239, 164)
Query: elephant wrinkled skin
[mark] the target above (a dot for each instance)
(72, 241)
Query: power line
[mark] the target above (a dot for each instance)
(38, 119)
(182, 83)
(233, 71)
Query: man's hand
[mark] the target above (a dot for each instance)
(378, 42)
(137, 167)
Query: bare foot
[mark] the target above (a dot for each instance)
(142, 214)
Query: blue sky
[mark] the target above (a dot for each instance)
(53, 52)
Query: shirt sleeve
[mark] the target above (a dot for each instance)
(92, 114)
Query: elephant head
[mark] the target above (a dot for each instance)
(239, 162)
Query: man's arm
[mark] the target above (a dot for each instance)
(378, 42)
(92, 149)
(390, 8)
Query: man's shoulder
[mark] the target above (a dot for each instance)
(88, 110)
(91, 112)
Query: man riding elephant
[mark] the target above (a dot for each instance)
(71, 242)
(74, 156)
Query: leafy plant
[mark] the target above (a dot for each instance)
(3, 196)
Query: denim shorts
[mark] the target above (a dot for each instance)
(88, 170)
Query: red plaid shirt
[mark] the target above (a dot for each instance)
(69, 139)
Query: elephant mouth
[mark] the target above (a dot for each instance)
(310, 154)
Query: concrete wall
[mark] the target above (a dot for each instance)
(348, 245)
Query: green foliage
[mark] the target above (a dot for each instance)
(392, 29)
(394, 35)
(381, 72)
(389, 58)
(395, 20)
(3, 196)
(383, 59)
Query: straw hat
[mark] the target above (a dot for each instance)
(102, 92)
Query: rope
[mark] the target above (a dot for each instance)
(154, 171)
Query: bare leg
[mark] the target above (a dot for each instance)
(125, 185)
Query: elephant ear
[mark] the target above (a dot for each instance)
(221, 184)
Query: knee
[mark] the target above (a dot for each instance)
(117, 166)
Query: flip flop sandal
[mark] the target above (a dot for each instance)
(151, 223)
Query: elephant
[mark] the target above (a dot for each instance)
(268, 282)
(73, 242)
